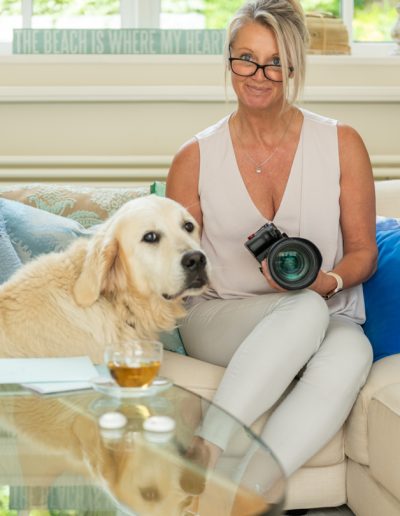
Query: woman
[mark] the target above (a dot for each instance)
(311, 176)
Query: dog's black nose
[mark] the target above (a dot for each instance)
(194, 261)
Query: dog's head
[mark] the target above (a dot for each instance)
(149, 246)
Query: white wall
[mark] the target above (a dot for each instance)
(121, 118)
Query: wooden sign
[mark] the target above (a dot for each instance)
(118, 41)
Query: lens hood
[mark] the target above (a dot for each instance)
(294, 262)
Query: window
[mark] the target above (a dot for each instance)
(369, 22)
(84, 14)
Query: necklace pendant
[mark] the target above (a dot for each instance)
(258, 170)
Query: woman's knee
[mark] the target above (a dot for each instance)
(345, 355)
(311, 309)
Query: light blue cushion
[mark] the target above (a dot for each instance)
(33, 232)
(9, 260)
(172, 341)
(382, 292)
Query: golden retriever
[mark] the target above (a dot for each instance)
(127, 281)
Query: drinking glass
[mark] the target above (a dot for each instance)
(134, 363)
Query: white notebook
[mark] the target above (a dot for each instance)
(48, 374)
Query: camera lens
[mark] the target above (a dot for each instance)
(294, 263)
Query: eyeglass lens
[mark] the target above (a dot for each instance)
(248, 68)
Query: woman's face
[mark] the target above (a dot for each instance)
(257, 43)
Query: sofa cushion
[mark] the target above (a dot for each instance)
(365, 496)
(383, 438)
(9, 259)
(33, 232)
(381, 291)
(384, 372)
(86, 205)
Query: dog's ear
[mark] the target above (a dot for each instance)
(99, 261)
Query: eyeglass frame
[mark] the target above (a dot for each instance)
(258, 66)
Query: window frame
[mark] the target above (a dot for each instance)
(136, 13)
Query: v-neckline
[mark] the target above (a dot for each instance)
(289, 181)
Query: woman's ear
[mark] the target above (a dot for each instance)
(99, 260)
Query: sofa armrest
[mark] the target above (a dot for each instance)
(384, 372)
(383, 438)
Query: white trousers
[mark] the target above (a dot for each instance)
(264, 342)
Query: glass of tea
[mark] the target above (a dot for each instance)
(134, 363)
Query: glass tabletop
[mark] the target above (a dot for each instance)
(169, 453)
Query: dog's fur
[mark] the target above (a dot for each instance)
(106, 289)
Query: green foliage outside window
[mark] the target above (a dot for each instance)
(373, 20)
(70, 7)
(75, 8)
(10, 7)
(4, 502)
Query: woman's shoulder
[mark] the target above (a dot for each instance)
(214, 129)
(316, 118)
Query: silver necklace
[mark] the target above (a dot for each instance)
(260, 165)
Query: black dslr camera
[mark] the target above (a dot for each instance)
(294, 263)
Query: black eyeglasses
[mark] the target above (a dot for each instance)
(247, 68)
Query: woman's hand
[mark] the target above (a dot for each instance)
(267, 275)
(323, 284)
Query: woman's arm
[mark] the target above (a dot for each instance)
(183, 179)
(357, 215)
(357, 218)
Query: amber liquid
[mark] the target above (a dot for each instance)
(139, 376)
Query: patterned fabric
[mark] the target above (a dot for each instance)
(33, 232)
(86, 205)
(9, 261)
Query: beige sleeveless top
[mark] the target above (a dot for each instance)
(309, 209)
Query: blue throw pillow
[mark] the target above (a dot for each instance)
(381, 292)
(33, 232)
(9, 260)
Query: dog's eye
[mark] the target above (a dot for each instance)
(150, 494)
(189, 226)
(151, 237)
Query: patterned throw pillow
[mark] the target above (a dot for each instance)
(381, 292)
(87, 205)
(9, 261)
(33, 232)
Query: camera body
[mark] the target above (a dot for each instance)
(293, 262)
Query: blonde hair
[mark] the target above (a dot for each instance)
(287, 21)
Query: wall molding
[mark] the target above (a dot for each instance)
(126, 169)
(182, 94)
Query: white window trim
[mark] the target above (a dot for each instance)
(27, 12)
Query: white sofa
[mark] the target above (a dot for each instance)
(360, 466)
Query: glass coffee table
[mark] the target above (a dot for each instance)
(88, 452)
